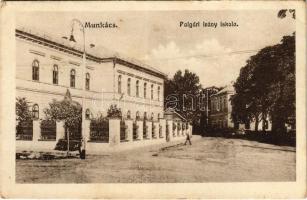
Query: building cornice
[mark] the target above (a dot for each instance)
(75, 52)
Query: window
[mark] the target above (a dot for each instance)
(35, 70)
(137, 93)
(225, 104)
(55, 74)
(137, 115)
(152, 116)
(35, 111)
(87, 81)
(119, 87)
(158, 93)
(158, 115)
(129, 86)
(217, 104)
(72, 78)
(145, 89)
(145, 115)
(151, 92)
(128, 114)
(87, 114)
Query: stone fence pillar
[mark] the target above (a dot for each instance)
(157, 128)
(129, 124)
(175, 128)
(184, 131)
(163, 127)
(87, 130)
(139, 124)
(190, 129)
(179, 133)
(114, 131)
(36, 130)
(60, 130)
(169, 136)
(149, 129)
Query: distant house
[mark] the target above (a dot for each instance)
(220, 115)
(221, 108)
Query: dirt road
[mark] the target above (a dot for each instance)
(207, 160)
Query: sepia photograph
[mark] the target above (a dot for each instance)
(156, 96)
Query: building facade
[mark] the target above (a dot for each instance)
(220, 115)
(46, 69)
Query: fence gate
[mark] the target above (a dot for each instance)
(48, 130)
(99, 131)
(24, 130)
(135, 129)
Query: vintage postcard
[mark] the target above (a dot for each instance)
(153, 99)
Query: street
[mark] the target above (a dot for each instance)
(207, 160)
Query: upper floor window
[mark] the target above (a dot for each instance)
(35, 111)
(137, 115)
(87, 114)
(145, 115)
(128, 114)
(72, 78)
(137, 92)
(119, 87)
(35, 70)
(87, 81)
(55, 74)
(152, 116)
(151, 91)
(158, 115)
(158, 93)
(129, 86)
(145, 90)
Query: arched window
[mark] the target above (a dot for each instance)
(72, 78)
(137, 92)
(137, 115)
(158, 93)
(152, 116)
(151, 94)
(55, 74)
(87, 81)
(128, 114)
(145, 115)
(87, 114)
(129, 86)
(35, 111)
(35, 70)
(145, 90)
(119, 87)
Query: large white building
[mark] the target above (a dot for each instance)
(45, 69)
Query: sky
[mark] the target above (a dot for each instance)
(155, 37)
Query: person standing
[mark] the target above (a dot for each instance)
(82, 149)
(188, 138)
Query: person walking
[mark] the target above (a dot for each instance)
(188, 138)
(82, 149)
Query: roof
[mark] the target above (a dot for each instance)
(173, 111)
(101, 55)
(227, 89)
